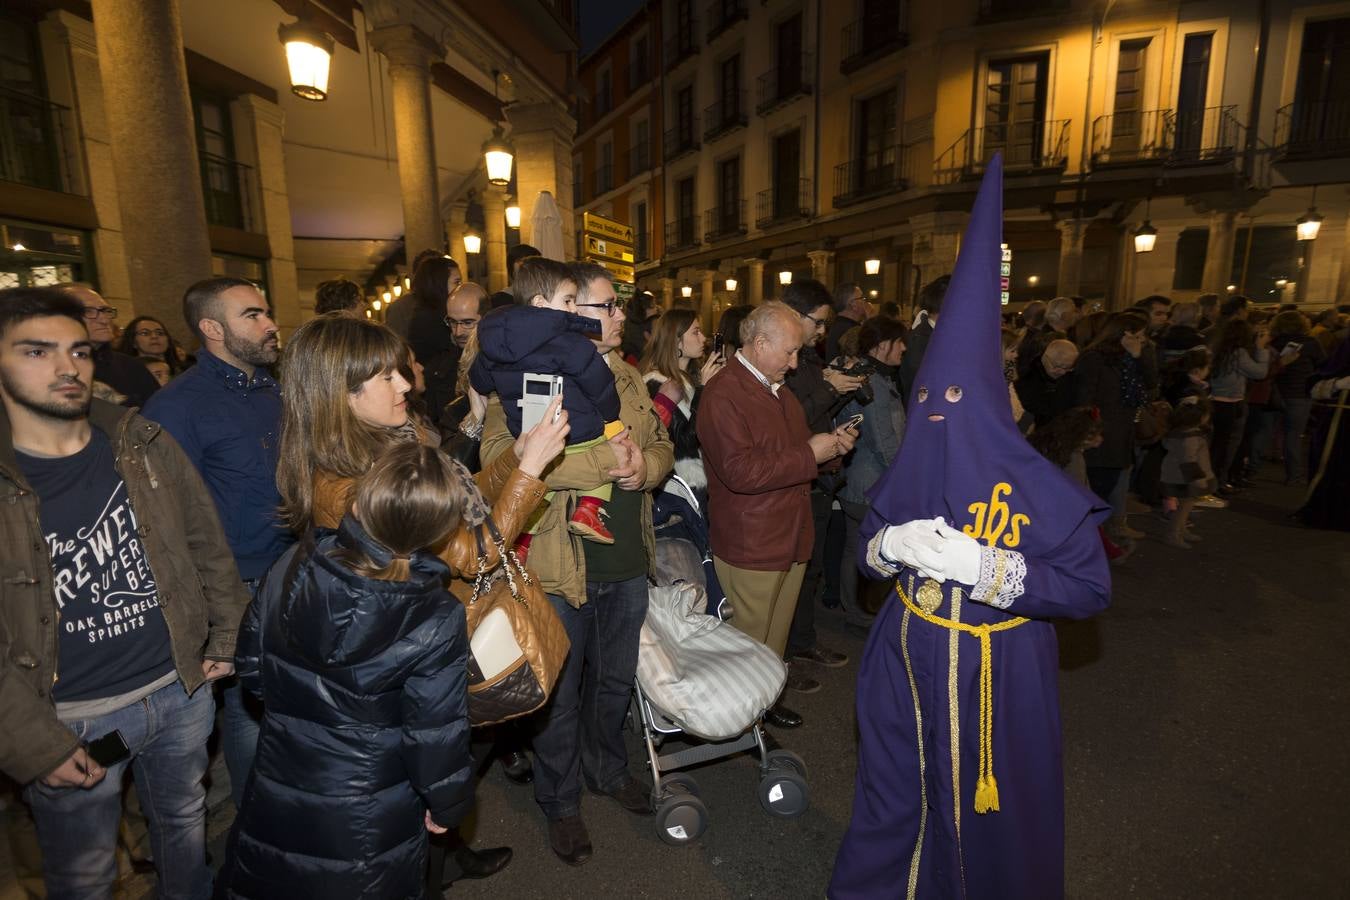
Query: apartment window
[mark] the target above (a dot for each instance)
(731, 88)
(604, 92)
(684, 22)
(1321, 111)
(637, 68)
(787, 172)
(640, 234)
(1127, 110)
(1014, 109)
(642, 147)
(29, 124)
(604, 175)
(1192, 92)
(578, 183)
(684, 212)
(876, 128)
(788, 55)
(684, 115)
(728, 195)
(222, 177)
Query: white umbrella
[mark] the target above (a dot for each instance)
(546, 227)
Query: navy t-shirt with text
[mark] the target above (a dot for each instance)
(113, 637)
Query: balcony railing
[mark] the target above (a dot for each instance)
(642, 246)
(681, 139)
(604, 180)
(681, 45)
(872, 174)
(1135, 136)
(724, 116)
(227, 187)
(639, 72)
(1313, 130)
(722, 14)
(1210, 135)
(1027, 147)
(784, 83)
(722, 222)
(639, 160)
(775, 207)
(36, 142)
(682, 234)
(870, 38)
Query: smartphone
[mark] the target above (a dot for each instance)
(537, 392)
(108, 750)
(1291, 348)
(718, 343)
(853, 421)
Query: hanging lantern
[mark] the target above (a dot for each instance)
(407, 281)
(1145, 236)
(686, 291)
(731, 284)
(785, 277)
(385, 297)
(377, 304)
(498, 154)
(513, 216)
(308, 54)
(472, 243)
(397, 292)
(872, 266)
(1309, 225)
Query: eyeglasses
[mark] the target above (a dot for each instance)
(607, 307)
(458, 323)
(819, 323)
(146, 332)
(93, 312)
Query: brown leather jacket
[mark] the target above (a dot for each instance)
(512, 493)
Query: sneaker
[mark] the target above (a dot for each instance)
(800, 683)
(1209, 501)
(586, 522)
(822, 657)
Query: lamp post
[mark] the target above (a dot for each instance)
(498, 154)
(872, 266)
(785, 277)
(513, 216)
(686, 291)
(731, 285)
(473, 243)
(1309, 225)
(1145, 236)
(309, 52)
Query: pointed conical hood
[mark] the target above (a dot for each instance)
(963, 457)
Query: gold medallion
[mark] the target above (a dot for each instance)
(929, 597)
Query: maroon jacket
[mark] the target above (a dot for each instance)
(760, 468)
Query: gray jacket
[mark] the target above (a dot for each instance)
(1230, 382)
(879, 436)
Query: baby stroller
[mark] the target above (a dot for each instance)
(698, 678)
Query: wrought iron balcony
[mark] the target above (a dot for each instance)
(1306, 130)
(639, 160)
(776, 207)
(1136, 136)
(642, 246)
(639, 73)
(871, 175)
(1211, 135)
(1028, 147)
(681, 139)
(36, 142)
(872, 37)
(604, 180)
(227, 188)
(722, 222)
(724, 116)
(722, 14)
(681, 45)
(784, 83)
(682, 234)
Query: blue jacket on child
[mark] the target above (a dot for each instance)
(514, 340)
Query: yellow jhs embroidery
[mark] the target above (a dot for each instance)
(992, 519)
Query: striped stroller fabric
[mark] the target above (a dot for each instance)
(704, 675)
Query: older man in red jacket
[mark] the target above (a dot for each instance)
(761, 459)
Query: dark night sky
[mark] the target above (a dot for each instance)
(599, 18)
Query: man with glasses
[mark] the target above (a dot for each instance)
(1046, 390)
(124, 374)
(465, 307)
(851, 309)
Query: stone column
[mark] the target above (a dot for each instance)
(821, 262)
(494, 215)
(1219, 251)
(410, 53)
(154, 152)
(542, 135)
(705, 301)
(455, 229)
(754, 294)
(936, 240)
(1343, 279)
(1071, 235)
(667, 292)
(258, 129)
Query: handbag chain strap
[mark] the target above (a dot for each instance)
(511, 565)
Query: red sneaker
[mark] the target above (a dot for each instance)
(586, 522)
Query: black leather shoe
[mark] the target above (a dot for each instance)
(779, 716)
(568, 838)
(632, 796)
(467, 863)
(517, 767)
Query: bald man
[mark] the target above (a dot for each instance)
(118, 371)
(1046, 389)
(464, 309)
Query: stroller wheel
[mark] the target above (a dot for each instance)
(681, 819)
(677, 783)
(785, 760)
(784, 794)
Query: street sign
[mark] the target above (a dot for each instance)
(625, 291)
(1005, 273)
(606, 228)
(608, 249)
(620, 271)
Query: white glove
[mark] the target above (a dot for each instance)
(899, 542)
(1342, 384)
(951, 555)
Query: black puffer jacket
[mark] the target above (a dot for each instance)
(365, 726)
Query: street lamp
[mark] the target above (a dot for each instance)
(731, 284)
(686, 291)
(398, 291)
(785, 277)
(384, 296)
(513, 216)
(872, 266)
(308, 54)
(377, 304)
(472, 243)
(1309, 225)
(498, 153)
(1145, 236)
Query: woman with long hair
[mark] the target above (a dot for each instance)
(147, 337)
(1115, 376)
(1300, 358)
(1239, 355)
(667, 368)
(419, 317)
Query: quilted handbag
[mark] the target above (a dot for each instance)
(517, 643)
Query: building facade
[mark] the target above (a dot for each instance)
(846, 140)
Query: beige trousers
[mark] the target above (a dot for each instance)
(763, 602)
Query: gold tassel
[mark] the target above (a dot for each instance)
(986, 795)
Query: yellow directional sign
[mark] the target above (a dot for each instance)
(609, 249)
(606, 229)
(618, 270)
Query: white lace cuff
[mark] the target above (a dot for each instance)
(874, 558)
(1002, 577)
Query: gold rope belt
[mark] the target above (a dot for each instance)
(986, 787)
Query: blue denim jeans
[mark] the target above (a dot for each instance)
(581, 728)
(1296, 413)
(241, 718)
(77, 828)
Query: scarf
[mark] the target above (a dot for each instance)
(1132, 392)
